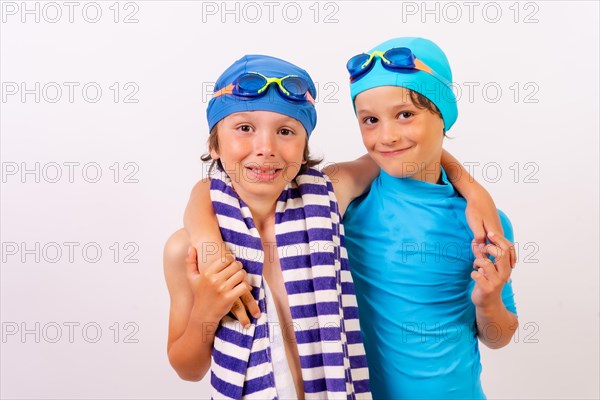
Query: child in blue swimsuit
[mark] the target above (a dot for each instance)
(424, 299)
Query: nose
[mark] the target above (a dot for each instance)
(389, 134)
(265, 144)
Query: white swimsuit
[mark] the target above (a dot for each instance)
(284, 383)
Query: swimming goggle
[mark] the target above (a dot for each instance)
(254, 84)
(399, 59)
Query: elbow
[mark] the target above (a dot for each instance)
(503, 337)
(190, 377)
(498, 344)
(176, 248)
(185, 371)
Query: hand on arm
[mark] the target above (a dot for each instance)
(495, 323)
(202, 226)
(482, 214)
(200, 297)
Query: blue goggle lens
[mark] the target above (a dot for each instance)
(295, 85)
(251, 83)
(400, 57)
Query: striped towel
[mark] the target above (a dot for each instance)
(314, 263)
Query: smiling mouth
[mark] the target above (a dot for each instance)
(264, 174)
(395, 152)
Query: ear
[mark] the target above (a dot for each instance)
(304, 162)
(213, 154)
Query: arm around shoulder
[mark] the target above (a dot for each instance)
(351, 179)
(199, 218)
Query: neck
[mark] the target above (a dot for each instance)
(431, 173)
(263, 216)
(262, 209)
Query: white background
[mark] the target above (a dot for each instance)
(542, 56)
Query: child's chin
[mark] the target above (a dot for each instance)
(265, 188)
(399, 173)
(398, 169)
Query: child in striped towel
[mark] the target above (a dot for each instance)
(280, 220)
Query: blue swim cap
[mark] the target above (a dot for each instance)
(438, 92)
(222, 106)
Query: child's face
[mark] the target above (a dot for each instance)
(261, 151)
(402, 139)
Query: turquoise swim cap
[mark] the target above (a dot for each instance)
(438, 92)
(222, 106)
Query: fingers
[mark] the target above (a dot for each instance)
(494, 224)
(506, 245)
(191, 263)
(246, 301)
(513, 256)
(479, 237)
(237, 275)
(239, 291)
(480, 279)
(487, 266)
(501, 251)
(239, 311)
(250, 303)
(477, 248)
(220, 264)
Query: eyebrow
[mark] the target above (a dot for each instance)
(393, 107)
(280, 120)
(363, 111)
(241, 115)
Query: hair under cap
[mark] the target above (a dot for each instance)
(438, 92)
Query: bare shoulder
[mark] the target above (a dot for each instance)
(202, 185)
(199, 219)
(341, 180)
(351, 179)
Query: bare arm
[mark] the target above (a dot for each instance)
(351, 179)
(192, 322)
(496, 325)
(202, 226)
(202, 289)
(201, 223)
(482, 214)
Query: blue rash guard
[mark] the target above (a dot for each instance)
(410, 255)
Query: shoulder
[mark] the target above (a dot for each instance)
(204, 183)
(202, 188)
(343, 184)
(336, 172)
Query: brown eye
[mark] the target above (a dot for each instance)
(285, 132)
(405, 115)
(245, 128)
(370, 120)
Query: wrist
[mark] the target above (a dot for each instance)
(203, 328)
(202, 317)
(472, 190)
(208, 250)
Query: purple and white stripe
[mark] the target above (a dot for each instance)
(314, 263)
